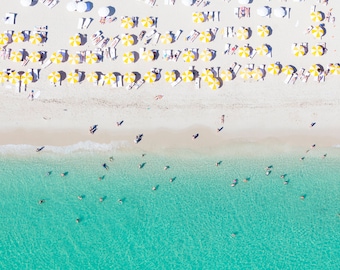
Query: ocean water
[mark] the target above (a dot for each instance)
(197, 221)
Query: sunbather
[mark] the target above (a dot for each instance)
(102, 20)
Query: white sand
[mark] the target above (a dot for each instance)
(254, 111)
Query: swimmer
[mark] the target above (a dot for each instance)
(325, 155)
(267, 173)
(105, 166)
(245, 180)
(77, 220)
(233, 235)
(101, 199)
(313, 146)
(80, 197)
(302, 158)
(62, 174)
(233, 184)
(171, 180)
(100, 178)
(48, 173)
(307, 151)
(154, 188)
(143, 155)
(166, 167)
(217, 164)
(41, 201)
(140, 166)
(282, 176)
(111, 159)
(285, 182)
(302, 197)
(120, 201)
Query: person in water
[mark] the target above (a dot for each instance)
(105, 166)
(111, 159)
(41, 201)
(77, 220)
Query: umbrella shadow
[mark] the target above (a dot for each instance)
(177, 74)
(270, 30)
(43, 55)
(138, 76)
(155, 54)
(62, 75)
(112, 10)
(89, 6)
(136, 54)
(221, 84)
(82, 76)
(250, 32)
(135, 40)
(83, 39)
(213, 54)
(34, 2)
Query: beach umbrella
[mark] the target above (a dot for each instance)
(81, 6)
(71, 6)
(315, 70)
(149, 77)
(26, 77)
(103, 11)
(263, 30)
(109, 78)
(146, 22)
(214, 84)
(54, 77)
(242, 33)
(75, 40)
(129, 77)
(13, 77)
(244, 51)
(170, 76)
(317, 50)
(206, 55)
(56, 57)
(205, 36)
(257, 74)
(316, 16)
(127, 22)
(280, 12)
(16, 56)
(73, 77)
(318, 31)
(334, 69)
(127, 40)
(34, 57)
(299, 50)
(35, 38)
(226, 75)
(198, 17)
(18, 37)
(263, 11)
(3, 77)
(188, 56)
(245, 73)
(262, 50)
(92, 77)
(274, 69)
(166, 38)
(147, 55)
(187, 76)
(74, 59)
(288, 70)
(91, 58)
(128, 57)
(207, 75)
(3, 39)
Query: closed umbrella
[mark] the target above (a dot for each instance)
(257, 74)
(109, 78)
(205, 36)
(170, 76)
(147, 55)
(3, 77)
(316, 16)
(129, 77)
(3, 39)
(226, 75)
(92, 77)
(54, 77)
(18, 37)
(128, 57)
(35, 38)
(263, 30)
(127, 40)
(274, 69)
(317, 50)
(127, 22)
(244, 51)
(206, 55)
(34, 57)
(149, 77)
(74, 59)
(73, 77)
(242, 33)
(188, 56)
(198, 17)
(103, 11)
(91, 58)
(56, 58)
(262, 50)
(26, 78)
(288, 70)
(299, 50)
(187, 76)
(245, 73)
(315, 70)
(166, 38)
(147, 22)
(14, 77)
(16, 56)
(214, 84)
(318, 31)
(75, 40)
(207, 75)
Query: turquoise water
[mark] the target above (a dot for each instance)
(185, 224)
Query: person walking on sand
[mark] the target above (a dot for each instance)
(222, 119)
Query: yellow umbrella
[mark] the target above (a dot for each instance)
(13, 77)
(127, 22)
(187, 76)
(262, 30)
(257, 74)
(129, 77)
(91, 58)
(315, 70)
(26, 77)
(54, 77)
(214, 84)
(166, 38)
(147, 22)
(207, 75)
(18, 37)
(3, 77)
(316, 16)
(274, 69)
(226, 75)
(35, 38)
(170, 76)
(242, 33)
(262, 50)
(245, 73)
(92, 77)
(147, 55)
(188, 56)
(334, 69)
(205, 36)
(198, 17)
(288, 70)
(150, 77)
(73, 77)
(244, 51)
(75, 40)
(3, 39)
(128, 57)
(34, 57)
(317, 50)
(127, 40)
(74, 59)
(299, 50)
(318, 31)
(56, 57)
(109, 78)
(206, 55)
(16, 56)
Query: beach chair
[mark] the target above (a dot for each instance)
(176, 55)
(198, 2)
(114, 42)
(119, 80)
(129, 86)
(150, 2)
(247, 12)
(237, 12)
(150, 34)
(87, 23)
(300, 73)
(35, 74)
(305, 77)
(288, 78)
(177, 34)
(81, 23)
(8, 53)
(198, 83)
(233, 50)
(252, 54)
(194, 36)
(294, 78)
(52, 3)
(10, 18)
(139, 83)
(236, 69)
(156, 38)
(179, 79)
(25, 61)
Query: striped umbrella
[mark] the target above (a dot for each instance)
(92, 77)
(257, 74)
(299, 50)
(149, 77)
(127, 22)
(198, 17)
(14, 77)
(263, 30)
(316, 16)
(128, 57)
(318, 31)
(187, 76)
(188, 56)
(317, 50)
(3, 77)
(35, 38)
(166, 38)
(18, 37)
(334, 69)
(205, 36)
(54, 77)
(16, 56)
(214, 84)
(91, 58)
(56, 57)
(170, 76)
(274, 69)
(146, 22)
(147, 55)
(206, 55)
(110, 78)
(127, 40)
(245, 73)
(288, 70)
(242, 33)
(73, 77)
(129, 77)
(34, 57)
(207, 75)
(3, 39)
(262, 50)
(244, 51)
(226, 75)
(315, 70)
(75, 40)
(26, 77)
(74, 59)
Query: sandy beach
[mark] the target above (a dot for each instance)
(254, 110)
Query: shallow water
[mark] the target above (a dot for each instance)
(185, 224)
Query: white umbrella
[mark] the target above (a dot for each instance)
(188, 2)
(71, 6)
(243, 2)
(103, 11)
(26, 3)
(280, 12)
(81, 6)
(263, 11)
